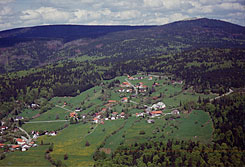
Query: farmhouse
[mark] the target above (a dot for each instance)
(158, 106)
(19, 118)
(125, 84)
(124, 100)
(15, 147)
(96, 120)
(150, 121)
(155, 113)
(73, 114)
(175, 112)
(4, 128)
(20, 141)
(112, 101)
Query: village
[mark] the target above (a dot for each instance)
(126, 91)
(148, 112)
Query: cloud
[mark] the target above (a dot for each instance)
(232, 6)
(6, 1)
(136, 12)
(46, 15)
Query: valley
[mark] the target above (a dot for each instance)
(118, 121)
(169, 95)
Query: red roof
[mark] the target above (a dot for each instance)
(125, 83)
(103, 109)
(72, 114)
(19, 140)
(112, 101)
(2, 144)
(95, 119)
(156, 112)
(114, 113)
(122, 113)
(15, 146)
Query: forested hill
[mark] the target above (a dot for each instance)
(24, 48)
(66, 33)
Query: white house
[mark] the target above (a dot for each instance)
(175, 112)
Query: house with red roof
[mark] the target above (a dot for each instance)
(112, 101)
(156, 113)
(96, 120)
(20, 141)
(124, 100)
(73, 114)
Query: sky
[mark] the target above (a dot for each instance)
(25, 13)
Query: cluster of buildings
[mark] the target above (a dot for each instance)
(36, 134)
(22, 144)
(138, 78)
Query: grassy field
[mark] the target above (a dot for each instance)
(32, 157)
(71, 141)
(114, 141)
(189, 126)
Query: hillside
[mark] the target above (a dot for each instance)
(170, 95)
(37, 46)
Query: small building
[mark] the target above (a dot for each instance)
(2, 145)
(114, 114)
(150, 121)
(73, 114)
(156, 113)
(113, 118)
(20, 141)
(125, 84)
(112, 101)
(34, 106)
(175, 112)
(19, 118)
(15, 147)
(96, 120)
(4, 128)
(158, 106)
(77, 110)
(124, 100)
(53, 133)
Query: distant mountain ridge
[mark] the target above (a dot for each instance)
(24, 48)
(65, 32)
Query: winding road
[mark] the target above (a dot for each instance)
(63, 108)
(226, 94)
(29, 137)
(34, 122)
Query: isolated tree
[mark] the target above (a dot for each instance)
(65, 156)
(87, 144)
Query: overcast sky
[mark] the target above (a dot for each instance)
(22, 13)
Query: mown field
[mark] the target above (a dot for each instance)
(196, 125)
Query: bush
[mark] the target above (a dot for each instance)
(65, 157)
(87, 144)
(142, 132)
(2, 156)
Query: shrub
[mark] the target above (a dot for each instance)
(142, 132)
(87, 144)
